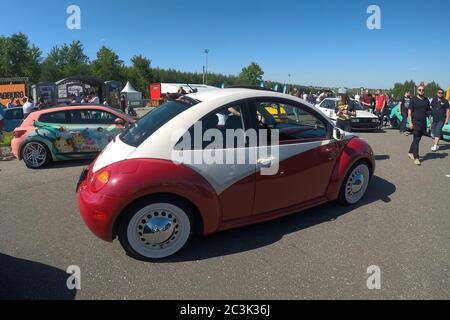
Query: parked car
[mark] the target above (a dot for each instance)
(364, 120)
(446, 131)
(396, 119)
(141, 191)
(13, 118)
(65, 133)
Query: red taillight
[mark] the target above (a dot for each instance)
(99, 181)
(19, 133)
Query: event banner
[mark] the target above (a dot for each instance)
(8, 91)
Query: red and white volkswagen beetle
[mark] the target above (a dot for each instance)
(217, 160)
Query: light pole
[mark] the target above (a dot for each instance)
(289, 84)
(206, 71)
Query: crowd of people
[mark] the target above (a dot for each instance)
(415, 110)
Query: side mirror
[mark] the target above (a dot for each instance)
(338, 134)
(119, 122)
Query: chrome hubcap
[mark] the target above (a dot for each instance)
(34, 154)
(357, 183)
(158, 229)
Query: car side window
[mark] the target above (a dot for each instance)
(54, 117)
(89, 116)
(221, 129)
(295, 123)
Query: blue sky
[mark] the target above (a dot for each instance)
(317, 42)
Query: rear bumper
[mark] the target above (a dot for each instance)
(15, 148)
(99, 212)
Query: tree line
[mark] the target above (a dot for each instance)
(19, 58)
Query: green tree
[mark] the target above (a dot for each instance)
(108, 66)
(65, 61)
(73, 60)
(431, 89)
(140, 74)
(252, 74)
(51, 67)
(18, 58)
(400, 88)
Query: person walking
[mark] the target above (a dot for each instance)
(418, 112)
(440, 112)
(344, 111)
(403, 107)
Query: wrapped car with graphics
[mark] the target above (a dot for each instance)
(66, 133)
(157, 183)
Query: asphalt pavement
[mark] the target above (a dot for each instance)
(402, 226)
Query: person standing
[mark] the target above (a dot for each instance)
(41, 104)
(440, 111)
(344, 111)
(380, 106)
(123, 103)
(27, 107)
(418, 112)
(11, 104)
(403, 107)
(366, 100)
(94, 98)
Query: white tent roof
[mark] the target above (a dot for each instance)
(129, 88)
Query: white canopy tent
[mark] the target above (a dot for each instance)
(130, 93)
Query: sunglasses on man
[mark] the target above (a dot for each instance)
(440, 92)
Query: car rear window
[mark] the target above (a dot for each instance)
(152, 121)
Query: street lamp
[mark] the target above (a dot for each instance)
(289, 84)
(205, 76)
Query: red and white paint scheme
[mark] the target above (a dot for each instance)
(136, 192)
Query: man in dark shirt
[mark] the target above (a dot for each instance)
(418, 112)
(440, 111)
(403, 107)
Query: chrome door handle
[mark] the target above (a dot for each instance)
(266, 162)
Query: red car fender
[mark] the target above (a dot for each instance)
(134, 179)
(352, 151)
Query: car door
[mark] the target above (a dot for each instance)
(306, 152)
(92, 129)
(219, 152)
(52, 127)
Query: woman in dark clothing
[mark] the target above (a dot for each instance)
(344, 111)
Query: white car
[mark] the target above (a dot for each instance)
(364, 120)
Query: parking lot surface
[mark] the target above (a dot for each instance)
(402, 225)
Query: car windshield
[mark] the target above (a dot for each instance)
(152, 121)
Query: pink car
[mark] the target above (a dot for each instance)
(65, 133)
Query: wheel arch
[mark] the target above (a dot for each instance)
(43, 141)
(355, 150)
(198, 227)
